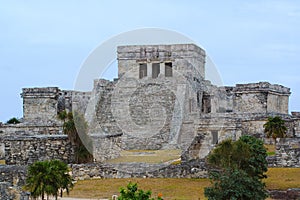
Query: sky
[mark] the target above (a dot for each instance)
(44, 43)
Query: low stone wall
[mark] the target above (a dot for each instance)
(28, 149)
(191, 169)
(11, 181)
(7, 192)
(290, 194)
(287, 153)
(12, 174)
(33, 128)
(106, 147)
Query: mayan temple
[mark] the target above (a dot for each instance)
(160, 100)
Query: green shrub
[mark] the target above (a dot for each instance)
(239, 167)
(132, 193)
(13, 121)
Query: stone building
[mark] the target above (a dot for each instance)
(160, 100)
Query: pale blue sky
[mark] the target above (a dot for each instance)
(44, 43)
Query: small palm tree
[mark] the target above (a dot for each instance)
(64, 180)
(275, 128)
(48, 177)
(35, 179)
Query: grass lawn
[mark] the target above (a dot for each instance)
(183, 189)
(180, 189)
(147, 156)
(283, 178)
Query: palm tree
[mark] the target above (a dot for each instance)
(64, 180)
(35, 179)
(47, 177)
(275, 128)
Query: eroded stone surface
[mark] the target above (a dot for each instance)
(160, 100)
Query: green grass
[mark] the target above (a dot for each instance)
(180, 189)
(270, 149)
(172, 188)
(283, 178)
(271, 153)
(147, 156)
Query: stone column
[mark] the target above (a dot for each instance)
(149, 70)
(162, 68)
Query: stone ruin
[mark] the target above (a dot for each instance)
(160, 100)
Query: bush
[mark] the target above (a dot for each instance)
(239, 168)
(132, 193)
(13, 121)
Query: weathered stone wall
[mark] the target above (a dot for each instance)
(79, 101)
(99, 111)
(213, 128)
(11, 181)
(287, 153)
(289, 194)
(191, 169)
(148, 113)
(40, 104)
(2, 151)
(106, 147)
(261, 97)
(31, 129)
(7, 192)
(296, 124)
(13, 174)
(28, 149)
(129, 58)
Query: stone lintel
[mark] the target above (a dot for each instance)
(142, 52)
(47, 92)
(35, 137)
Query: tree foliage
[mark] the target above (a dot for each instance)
(131, 192)
(48, 177)
(235, 184)
(76, 128)
(275, 128)
(13, 121)
(238, 169)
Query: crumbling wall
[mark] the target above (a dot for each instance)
(191, 169)
(40, 104)
(296, 124)
(106, 147)
(148, 113)
(287, 153)
(11, 181)
(30, 129)
(80, 101)
(261, 97)
(28, 149)
(13, 174)
(7, 192)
